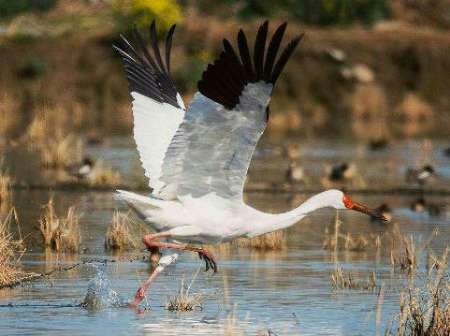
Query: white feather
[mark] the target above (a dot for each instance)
(155, 124)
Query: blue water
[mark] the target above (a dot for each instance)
(288, 292)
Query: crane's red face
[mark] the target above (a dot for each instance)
(350, 204)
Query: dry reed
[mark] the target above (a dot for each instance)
(9, 122)
(104, 176)
(405, 251)
(61, 234)
(11, 250)
(184, 300)
(5, 191)
(62, 151)
(346, 280)
(355, 243)
(275, 240)
(425, 310)
(118, 233)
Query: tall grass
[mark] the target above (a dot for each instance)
(9, 122)
(61, 234)
(62, 151)
(104, 176)
(347, 280)
(425, 309)
(275, 240)
(185, 300)
(11, 250)
(5, 191)
(118, 233)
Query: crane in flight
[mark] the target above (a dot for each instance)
(196, 158)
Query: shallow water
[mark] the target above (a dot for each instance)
(288, 291)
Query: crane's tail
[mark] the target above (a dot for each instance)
(139, 203)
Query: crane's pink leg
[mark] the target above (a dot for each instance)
(152, 243)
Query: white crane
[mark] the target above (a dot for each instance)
(196, 158)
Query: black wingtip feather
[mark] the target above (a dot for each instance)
(287, 52)
(169, 46)
(147, 74)
(245, 55)
(155, 47)
(272, 50)
(260, 46)
(224, 80)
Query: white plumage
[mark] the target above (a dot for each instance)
(197, 159)
(153, 133)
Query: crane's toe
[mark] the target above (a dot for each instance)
(209, 260)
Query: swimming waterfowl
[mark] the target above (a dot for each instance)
(383, 210)
(418, 205)
(295, 173)
(421, 175)
(81, 170)
(341, 171)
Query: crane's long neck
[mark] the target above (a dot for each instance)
(284, 220)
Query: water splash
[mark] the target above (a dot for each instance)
(99, 294)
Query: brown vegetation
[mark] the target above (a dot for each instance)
(275, 240)
(5, 191)
(62, 152)
(11, 250)
(104, 176)
(93, 96)
(118, 233)
(61, 234)
(425, 310)
(347, 280)
(184, 300)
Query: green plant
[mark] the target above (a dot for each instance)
(9, 8)
(142, 12)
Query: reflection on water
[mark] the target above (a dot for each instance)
(286, 291)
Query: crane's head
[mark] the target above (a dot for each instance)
(341, 201)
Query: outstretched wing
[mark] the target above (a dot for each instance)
(158, 109)
(212, 149)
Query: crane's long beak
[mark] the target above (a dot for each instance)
(371, 212)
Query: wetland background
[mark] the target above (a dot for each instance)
(367, 88)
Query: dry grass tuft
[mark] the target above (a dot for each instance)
(405, 251)
(5, 191)
(343, 280)
(118, 233)
(104, 176)
(60, 234)
(355, 243)
(37, 131)
(62, 151)
(425, 310)
(9, 122)
(184, 300)
(11, 250)
(275, 240)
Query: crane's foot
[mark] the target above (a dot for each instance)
(208, 258)
(139, 296)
